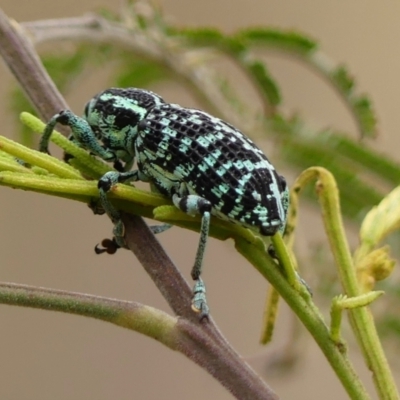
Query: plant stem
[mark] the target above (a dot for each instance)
(177, 334)
(132, 315)
(269, 317)
(207, 346)
(361, 318)
(18, 53)
(306, 311)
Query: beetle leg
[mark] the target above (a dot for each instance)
(192, 205)
(105, 184)
(81, 131)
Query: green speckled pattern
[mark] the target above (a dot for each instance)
(203, 164)
(188, 151)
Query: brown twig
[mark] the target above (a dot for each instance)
(206, 346)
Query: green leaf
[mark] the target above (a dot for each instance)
(199, 36)
(265, 82)
(303, 148)
(288, 40)
(211, 37)
(380, 165)
(356, 195)
(365, 115)
(342, 79)
(361, 105)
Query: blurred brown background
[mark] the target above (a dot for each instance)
(49, 242)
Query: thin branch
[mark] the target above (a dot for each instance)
(159, 266)
(127, 314)
(177, 334)
(214, 353)
(29, 70)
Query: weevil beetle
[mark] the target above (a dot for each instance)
(205, 165)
